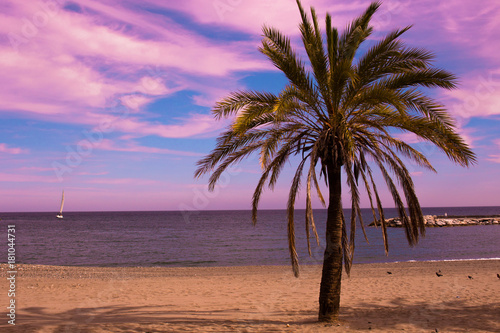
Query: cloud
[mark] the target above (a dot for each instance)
(68, 67)
(241, 15)
(494, 158)
(197, 125)
(477, 96)
(122, 181)
(107, 144)
(135, 102)
(39, 169)
(474, 26)
(113, 35)
(408, 137)
(4, 148)
(91, 173)
(26, 178)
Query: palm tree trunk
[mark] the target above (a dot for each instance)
(329, 295)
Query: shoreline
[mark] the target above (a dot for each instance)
(22, 265)
(379, 297)
(4, 266)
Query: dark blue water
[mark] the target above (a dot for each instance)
(222, 238)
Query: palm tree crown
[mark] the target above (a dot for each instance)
(340, 111)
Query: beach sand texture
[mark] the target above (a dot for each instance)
(254, 299)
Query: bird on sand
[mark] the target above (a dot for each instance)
(470, 277)
(438, 273)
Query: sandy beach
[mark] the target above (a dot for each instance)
(412, 298)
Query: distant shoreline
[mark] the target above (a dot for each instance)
(466, 216)
(446, 221)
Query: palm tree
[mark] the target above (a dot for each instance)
(344, 111)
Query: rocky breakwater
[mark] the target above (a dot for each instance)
(447, 221)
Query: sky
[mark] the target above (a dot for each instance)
(110, 100)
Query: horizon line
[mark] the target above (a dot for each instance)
(215, 210)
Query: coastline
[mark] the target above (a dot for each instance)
(255, 298)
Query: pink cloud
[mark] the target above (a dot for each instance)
(91, 173)
(135, 103)
(474, 25)
(39, 169)
(54, 72)
(4, 148)
(494, 158)
(408, 137)
(194, 126)
(26, 178)
(241, 15)
(469, 135)
(102, 35)
(473, 28)
(122, 181)
(107, 144)
(477, 96)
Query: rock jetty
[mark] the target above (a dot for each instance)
(447, 221)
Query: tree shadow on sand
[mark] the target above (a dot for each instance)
(447, 316)
(450, 316)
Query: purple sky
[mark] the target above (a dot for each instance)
(110, 100)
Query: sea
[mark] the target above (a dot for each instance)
(224, 238)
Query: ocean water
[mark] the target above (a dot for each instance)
(223, 238)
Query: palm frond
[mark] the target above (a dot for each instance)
(290, 212)
(240, 100)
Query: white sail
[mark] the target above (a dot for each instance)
(62, 205)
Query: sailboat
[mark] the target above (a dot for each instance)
(60, 215)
